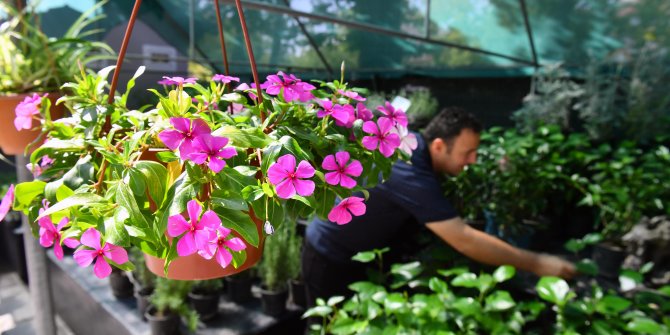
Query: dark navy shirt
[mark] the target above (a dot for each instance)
(413, 193)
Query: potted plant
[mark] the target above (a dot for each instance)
(33, 68)
(296, 286)
(204, 297)
(120, 284)
(168, 306)
(143, 280)
(193, 180)
(275, 270)
(238, 286)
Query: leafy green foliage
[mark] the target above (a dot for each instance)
(169, 297)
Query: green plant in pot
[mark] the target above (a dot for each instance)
(33, 67)
(277, 268)
(169, 305)
(295, 284)
(143, 279)
(204, 297)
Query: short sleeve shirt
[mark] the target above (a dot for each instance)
(413, 193)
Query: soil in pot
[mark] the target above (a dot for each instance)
(121, 285)
(274, 302)
(165, 324)
(205, 303)
(142, 296)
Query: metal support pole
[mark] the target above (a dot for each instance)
(39, 279)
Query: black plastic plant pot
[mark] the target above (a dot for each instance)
(274, 302)
(142, 296)
(166, 324)
(297, 292)
(239, 289)
(121, 285)
(206, 304)
(609, 259)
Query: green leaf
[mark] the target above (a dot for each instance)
(25, 194)
(325, 200)
(504, 273)
(77, 199)
(318, 311)
(156, 176)
(395, 302)
(115, 231)
(239, 257)
(453, 271)
(332, 301)
(125, 199)
(291, 145)
(244, 138)
(467, 306)
(241, 223)
(499, 301)
(587, 266)
(612, 305)
(229, 203)
(642, 325)
(467, 279)
(554, 290)
(407, 271)
(364, 256)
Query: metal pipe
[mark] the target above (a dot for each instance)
(222, 38)
(250, 52)
(122, 51)
(529, 32)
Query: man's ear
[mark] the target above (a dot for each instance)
(438, 145)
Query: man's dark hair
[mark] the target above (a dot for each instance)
(448, 124)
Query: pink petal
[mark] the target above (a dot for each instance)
(222, 231)
(23, 122)
(198, 157)
(203, 237)
(340, 115)
(347, 182)
(71, 243)
(339, 215)
(305, 170)
(223, 257)
(171, 138)
(194, 210)
(91, 238)
(235, 244)
(304, 187)
(218, 142)
(63, 222)
(356, 206)
(101, 268)
(384, 125)
(333, 178)
(285, 189)
(370, 142)
(84, 257)
(287, 162)
(386, 149)
(47, 224)
(177, 225)
(207, 251)
(371, 128)
(216, 164)
(186, 149)
(182, 124)
(210, 220)
(354, 169)
(117, 254)
(277, 173)
(342, 158)
(329, 163)
(46, 238)
(58, 251)
(186, 245)
(7, 201)
(227, 153)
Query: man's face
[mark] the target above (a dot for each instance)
(452, 158)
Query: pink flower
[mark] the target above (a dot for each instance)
(362, 112)
(50, 235)
(7, 202)
(176, 81)
(26, 109)
(341, 170)
(37, 169)
(224, 79)
(290, 87)
(244, 87)
(198, 231)
(218, 247)
(382, 136)
(351, 95)
(287, 179)
(408, 140)
(338, 113)
(342, 212)
(351, 116)
(397, 116)
(185, 132)
(99, 253)
(211, 148)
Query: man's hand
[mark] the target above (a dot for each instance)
(548, 265)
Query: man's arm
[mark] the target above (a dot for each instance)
(488, 249)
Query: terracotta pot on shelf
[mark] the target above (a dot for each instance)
(12, 141)
(195, 267)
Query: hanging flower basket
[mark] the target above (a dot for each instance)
(17, 127)
(201, 179)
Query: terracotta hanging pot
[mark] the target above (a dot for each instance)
(195, 267)
(12, 141)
